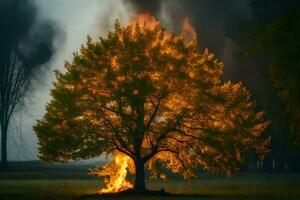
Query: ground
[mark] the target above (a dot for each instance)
(73, 183)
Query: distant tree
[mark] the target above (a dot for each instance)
(26, 44)
(154, 97)
(278, 41)
(14, 80)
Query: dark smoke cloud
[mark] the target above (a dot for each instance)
(24, 35)
(152, 6)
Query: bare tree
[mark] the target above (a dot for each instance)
(14, 81)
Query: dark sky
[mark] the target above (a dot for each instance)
(48, 32)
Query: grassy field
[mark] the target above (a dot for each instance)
(72, 184)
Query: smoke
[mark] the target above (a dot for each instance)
(151, 6)
(25, 35)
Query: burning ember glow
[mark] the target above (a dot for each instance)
(116, 173)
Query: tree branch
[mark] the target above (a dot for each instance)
(118, 136)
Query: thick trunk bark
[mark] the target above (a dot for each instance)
(4, 164)
(139, 184)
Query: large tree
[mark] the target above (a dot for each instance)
(154, 97)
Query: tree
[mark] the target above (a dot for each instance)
(277, 40)
(13, 85)
(154, 97)
(26, 44)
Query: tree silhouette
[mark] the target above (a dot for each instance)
(154, 97)
(26, 44)
(14, 80)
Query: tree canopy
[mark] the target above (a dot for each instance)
(155, 97)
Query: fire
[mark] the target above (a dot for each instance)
(149, 21)
(116, 173)
(189, 31)
(144, 19)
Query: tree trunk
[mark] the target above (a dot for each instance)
(139, 184)
(4, 164)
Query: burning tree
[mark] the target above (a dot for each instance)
(153, 97)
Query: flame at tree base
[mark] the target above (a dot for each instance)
(116, 173)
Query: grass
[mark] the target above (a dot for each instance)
(72, 184)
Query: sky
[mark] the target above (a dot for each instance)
(216, 22)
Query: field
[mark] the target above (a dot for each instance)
(70, 183)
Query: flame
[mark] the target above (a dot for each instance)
(149, 21)
(116, 173)
(144, 19)
(188, 30)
